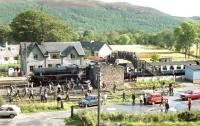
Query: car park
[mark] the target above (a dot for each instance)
(190, 94)
(9, 111)
(153, 98)
(90, 101)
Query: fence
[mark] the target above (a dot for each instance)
(154, 78)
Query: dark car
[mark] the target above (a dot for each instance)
(190, 94)
(90, 101)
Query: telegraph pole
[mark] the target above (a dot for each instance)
(98, 83)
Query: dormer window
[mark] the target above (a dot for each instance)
(54, 56)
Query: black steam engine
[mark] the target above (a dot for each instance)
(59, 74)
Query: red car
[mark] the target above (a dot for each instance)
(153, 98)
(190, 94)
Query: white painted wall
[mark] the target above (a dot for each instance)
(105, 51)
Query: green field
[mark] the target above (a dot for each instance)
(144, 52)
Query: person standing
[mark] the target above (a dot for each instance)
(82, 88)
(141, 99)
(133, 99)
(145, 97)
(67, 95)
(105, 98)
(58, 88)
(114, 87)
(162, 104)
(124, 96)
(189, 104)
(166, 106)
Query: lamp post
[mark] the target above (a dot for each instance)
(98, 83)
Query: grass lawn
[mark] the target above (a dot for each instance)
(28, 107)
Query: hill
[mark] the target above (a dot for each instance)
(94, 15)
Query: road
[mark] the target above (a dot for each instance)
(37, 119)
(57, 118)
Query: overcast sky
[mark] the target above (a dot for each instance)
(184, 8)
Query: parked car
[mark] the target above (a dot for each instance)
(153, 98)
(9, 111)
(190, 94)
(90, 101)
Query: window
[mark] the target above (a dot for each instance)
(6, 58)
(40, 66)
(171, 67)
(31, 68)
(54, 56)
(72, 56)
(9, 48)
(16, 58)
(57, 65)
(164, 67)
(35, 56)
(178, 67)
(49, 65)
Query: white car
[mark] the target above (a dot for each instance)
(9, 111)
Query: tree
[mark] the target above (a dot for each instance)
(5, 34)
(37, 26)
(124, 39)
(155, 57)
(185, 36)
(88, 36)
(113, 36)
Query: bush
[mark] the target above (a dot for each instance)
(187, 116)
(126, 119)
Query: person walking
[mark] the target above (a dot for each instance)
(25, 91)
(67, 96)
(42, 94)
(166, 106)
(133, 99)
(189, 104)
(31, 95)
(124, 96)
(18, 94)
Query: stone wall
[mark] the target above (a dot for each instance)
(112, 74)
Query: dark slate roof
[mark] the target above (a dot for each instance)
(194, 67)
(174, 63)
(86, 45)
(94, 46)
(66, 51)
(61, 46)
(55, 47)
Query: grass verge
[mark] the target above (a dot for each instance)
(87, 118)
(43, 107)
